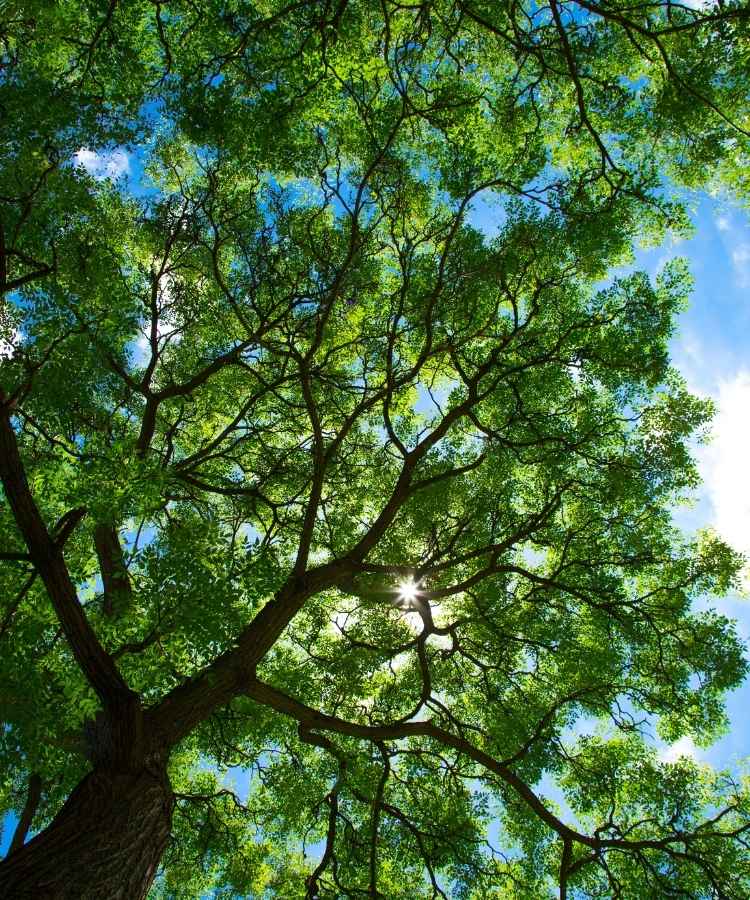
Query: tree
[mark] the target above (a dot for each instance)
(304, 471)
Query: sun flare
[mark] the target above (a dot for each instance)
(408, 591)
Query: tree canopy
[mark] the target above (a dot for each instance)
(339, 444)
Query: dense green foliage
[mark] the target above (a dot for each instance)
(361, 452)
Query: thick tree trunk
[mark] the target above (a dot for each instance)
(105, 843)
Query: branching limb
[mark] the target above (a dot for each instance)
(332, 799)
(46, 554)
(377, 805)
(313, 719)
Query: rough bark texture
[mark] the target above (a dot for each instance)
(105, 844)
(46, 554)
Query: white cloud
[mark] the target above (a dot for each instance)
(697, 4)
(533, 557)
(724, 462)
(741, 263)
(735, 238)
(685, 746)
(103, 165)
(723, 223)
(693, 363)
(398, 662)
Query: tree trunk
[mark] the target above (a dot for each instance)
(104, 844)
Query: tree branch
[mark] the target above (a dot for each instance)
(313, 719)
(33, 796)
(46, 555)
(117, 588)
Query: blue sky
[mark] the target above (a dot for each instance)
(712, 350)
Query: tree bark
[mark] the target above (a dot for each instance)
(115, 580)
(33, 796)
(106, 842)
(46, 554)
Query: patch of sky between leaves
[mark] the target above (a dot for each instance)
(7, 827)
(125, 165)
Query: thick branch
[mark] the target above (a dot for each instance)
(46, 554)
(33, 796)
(148, 425)
(115, 580)
(313, 719)
(567, 852)
(191, 703)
